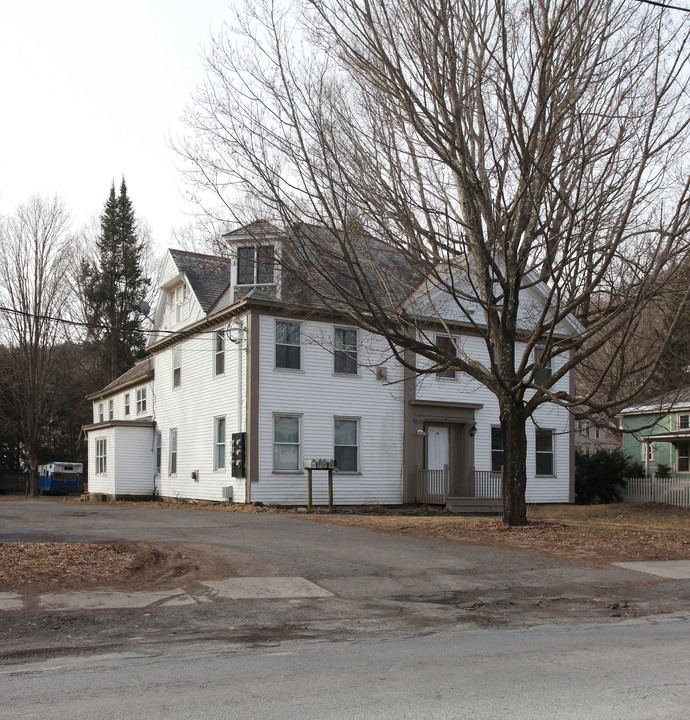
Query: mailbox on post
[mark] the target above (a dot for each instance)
(320, 464)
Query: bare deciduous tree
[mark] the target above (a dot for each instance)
(35, 264)
(501, 146)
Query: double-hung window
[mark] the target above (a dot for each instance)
(446, 347)
(684, 422)
(172, 465)
(286, 442)
(101, 416)
(544, 452)
(288, 345)
(141, 401)
(683, 457)
(178, 298)
(345, 351)
(219, 353)
(177, 367)
(111, 410)
(159, 443)
(543, 363)
(497, 450)
(346, 444)
(127, 409)
(255, 265)
(101, 460)
(219, 454)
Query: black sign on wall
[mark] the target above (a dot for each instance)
(239, 444)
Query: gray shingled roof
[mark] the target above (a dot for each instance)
(208, 275)
(386, 274)
(142, 370)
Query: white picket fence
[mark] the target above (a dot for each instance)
(672, 490)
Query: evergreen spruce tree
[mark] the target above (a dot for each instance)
(115, 285)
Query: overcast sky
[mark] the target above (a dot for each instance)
(91, 91)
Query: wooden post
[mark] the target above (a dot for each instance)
(330, 489)
(308, 489)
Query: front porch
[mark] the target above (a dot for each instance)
(485, 496)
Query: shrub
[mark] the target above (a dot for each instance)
(600, 478)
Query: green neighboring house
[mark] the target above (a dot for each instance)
(657, 432)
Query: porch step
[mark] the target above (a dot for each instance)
(472, 505)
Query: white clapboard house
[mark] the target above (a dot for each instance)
(245, 383)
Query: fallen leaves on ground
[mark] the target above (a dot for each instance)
(598, 546)
(59, 564)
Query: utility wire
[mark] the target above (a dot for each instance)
(99, 326)
(663, 5)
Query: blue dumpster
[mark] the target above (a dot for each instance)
(60, 477)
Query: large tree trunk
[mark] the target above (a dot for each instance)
(514, 463)
(33, 473)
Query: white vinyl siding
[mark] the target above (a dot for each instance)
(317, 395)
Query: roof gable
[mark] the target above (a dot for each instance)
(208, 275)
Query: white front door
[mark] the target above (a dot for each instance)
(437, 448)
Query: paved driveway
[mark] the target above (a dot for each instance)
(374, 583)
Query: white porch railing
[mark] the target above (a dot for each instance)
(432, 486)
(488, 485)
(672, 490)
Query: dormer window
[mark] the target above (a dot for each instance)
(177, 298)
(255, 265)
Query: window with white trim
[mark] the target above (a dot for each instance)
(172, 461)
(683, 457)
(255, 265)
(101, 416)
(345, 351)
(288, 345)
(111, 410)
(177, 367)
(543, 371)
(446, 347)
(101, 460)
(219, 353)
(346, 444)
(159, 444)
(647, 452)
(219, 444)
(127, 409)
(497, 451)
(544, 450)
(286, 443)
(178, 298)
(141, 400)
(684, 422)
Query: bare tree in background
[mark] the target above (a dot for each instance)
(35, 265)
(501, 146)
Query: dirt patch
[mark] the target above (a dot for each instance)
(49, 566)
(597, 546)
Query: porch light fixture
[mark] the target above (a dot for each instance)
(473, 430)
(421, 433)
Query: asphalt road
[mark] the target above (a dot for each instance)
(631, 670)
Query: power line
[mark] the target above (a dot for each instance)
(663, 5)
(100, 326)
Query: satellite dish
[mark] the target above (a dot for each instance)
(144, 308)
